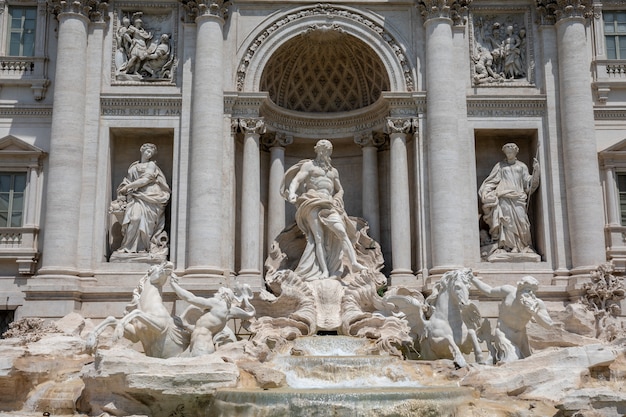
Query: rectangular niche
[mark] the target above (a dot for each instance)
(125, 145)
(488, 147)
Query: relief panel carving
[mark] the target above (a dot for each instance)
(144, 45)
(501, 48)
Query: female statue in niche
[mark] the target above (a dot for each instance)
(504, 197)
(142, 197)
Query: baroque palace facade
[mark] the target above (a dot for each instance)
(418, 98)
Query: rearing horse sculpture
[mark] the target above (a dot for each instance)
(147, 320)
(453, 323)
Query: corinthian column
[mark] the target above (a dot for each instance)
(275, 201)
(371, 207)
(447, 176)
(251, 199)
(582, 181)
(67, 136)
(401, 273)
(205, 239)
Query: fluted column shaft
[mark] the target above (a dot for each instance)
(251, 198)
(400, 208)
(66, 147)
(371, 205)
(444, 151)
(276, 202)
(582, 182)
(205, 239)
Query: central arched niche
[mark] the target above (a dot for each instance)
(324, 70)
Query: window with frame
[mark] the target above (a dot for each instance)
(22, 26)
(621, 188)
(615, 34)
(12, 188)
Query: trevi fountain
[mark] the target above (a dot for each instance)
(327, 336)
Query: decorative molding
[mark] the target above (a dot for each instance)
(609, 114)
(94, 10)
(244, 105)
(455, 10)
(140, 106)
(333, 125)
(498, 106)
(198, 8)
(11, 112)
(329, 11)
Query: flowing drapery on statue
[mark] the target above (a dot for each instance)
(142, 197)
(504, 196)
(314, 187)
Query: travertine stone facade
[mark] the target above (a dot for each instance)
(417, 98)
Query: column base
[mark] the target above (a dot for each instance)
(251, 277)
(57, 272)
(404, 277)
(211, 272)
(442, 269)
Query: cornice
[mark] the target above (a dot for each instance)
(332, 125)
(610, 114)
(43, 112)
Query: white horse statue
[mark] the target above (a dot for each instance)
(147, 320)
(446, 326)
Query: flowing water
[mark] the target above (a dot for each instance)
(330, 376)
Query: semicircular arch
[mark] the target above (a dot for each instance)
(363, 25)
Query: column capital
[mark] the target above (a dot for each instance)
(551, 11)
(399, 125)
(369, 139)
(252, 125)
(94, 10)
(444, 9)
(199, 8)
(277, 139)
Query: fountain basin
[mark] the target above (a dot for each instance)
(362, 402)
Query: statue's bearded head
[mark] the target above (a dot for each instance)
(323, 149)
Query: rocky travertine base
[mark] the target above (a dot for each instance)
(56, 374)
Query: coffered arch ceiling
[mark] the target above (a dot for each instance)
(324, 70)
